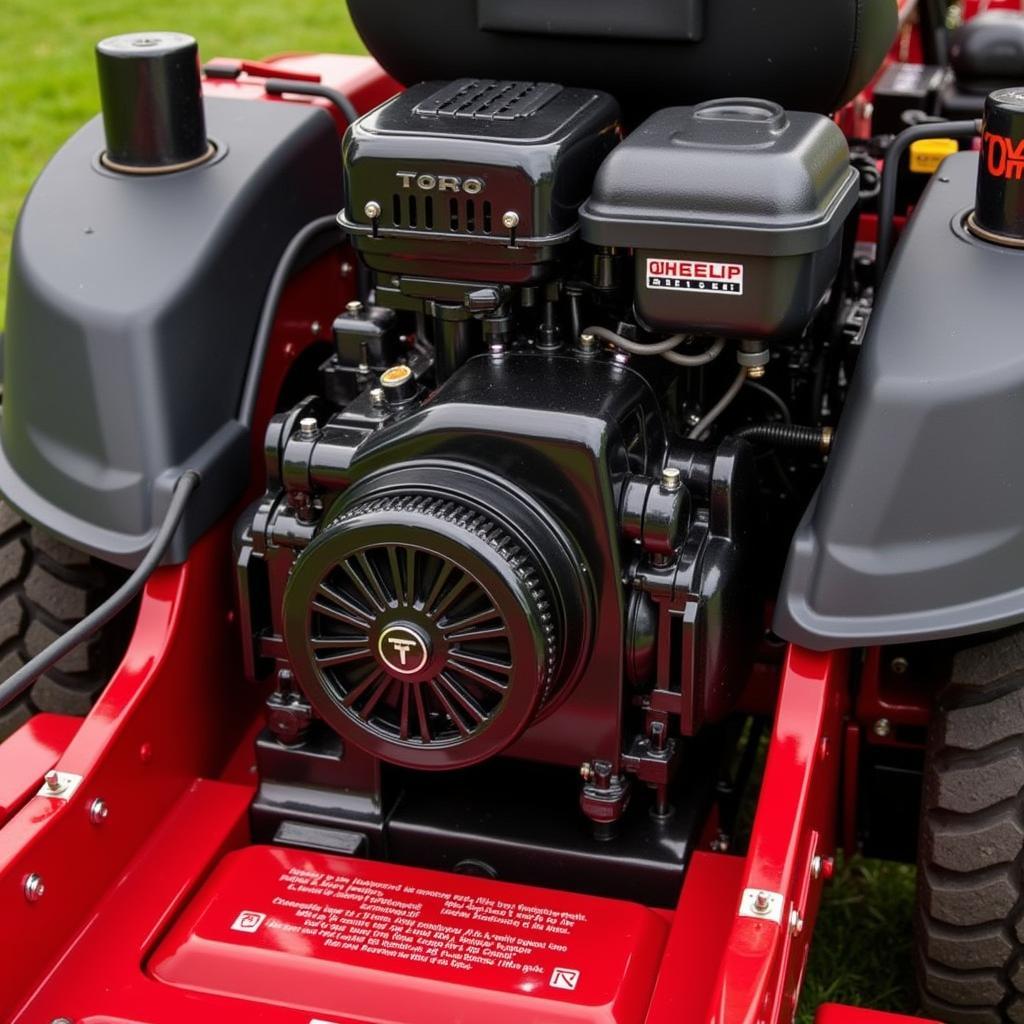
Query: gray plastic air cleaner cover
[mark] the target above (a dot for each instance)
(917, 531)
(739, 184)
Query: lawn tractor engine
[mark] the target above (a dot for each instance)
(492, 575)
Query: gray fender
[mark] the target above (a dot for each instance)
(132, 309)
(917, 530)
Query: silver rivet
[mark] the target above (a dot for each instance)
(34, 888)
(796, 922)
(354, 307)
(308, 426)
(671, 479)
(98, 811)
(372, 210)
(510, 219)
(377, 398)
(882, 728)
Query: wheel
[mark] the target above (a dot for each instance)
(970, 941)
(45, 588)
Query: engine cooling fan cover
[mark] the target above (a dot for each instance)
(429, 631)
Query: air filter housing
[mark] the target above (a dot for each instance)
(474, 179)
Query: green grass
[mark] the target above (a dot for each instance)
(47, 79)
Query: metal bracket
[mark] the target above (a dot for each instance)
(762, 904)
(59, 785)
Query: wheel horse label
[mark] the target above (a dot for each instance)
(696, 276)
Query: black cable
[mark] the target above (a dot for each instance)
(285, 267)
(15, 685)
(773, 397)
(787, 435)
(890, 177)
(279, 86)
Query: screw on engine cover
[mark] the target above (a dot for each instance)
(510, 219)
(899, 665)
(796, 922)
(98, 811)
(372, 210)
(377, 397)
(355, 307)
(671, 479)
(882, 728)
(308, 427)
(34, 888)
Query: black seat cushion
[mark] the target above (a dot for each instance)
(804, 54)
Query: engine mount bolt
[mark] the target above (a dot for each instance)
(372, 210)
(34, 888)
(796, 922)
(510, 219)
(98, 811)
(882, 728)
(762, 903)
(308, 427)
(671, 479)
(355, 307)
(377, 398)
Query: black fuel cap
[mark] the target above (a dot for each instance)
(999, 210)
(152, 102)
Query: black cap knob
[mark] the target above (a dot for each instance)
(999, 209)
(152, 102)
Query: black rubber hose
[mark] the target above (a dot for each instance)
(285, 267)
(278, 86)
(788, 435)
(15, 685)
(891, 172)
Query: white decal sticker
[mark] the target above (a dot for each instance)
(696, 276)
(248, 921)
(564, 977)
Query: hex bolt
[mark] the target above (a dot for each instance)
(372, 210)
(762, 903)
(671, 479)
(98, 811)
(796, 922)
(53, 783)
(355, 307)
(308, 427)
(510, 219)
(377, 397)
(34, 888)
(882, 728)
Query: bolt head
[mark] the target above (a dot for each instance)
(899, 665)
(796, 922)
(34, 888)
(588, 343)
(308, 426)
(586, 771)
(882, 728)
(671, 478)
(510, 219)
(377, 397)
(816, 866)
(762, 903)
(354, 307)
(98, 811)
(372, 210)
(52, 780)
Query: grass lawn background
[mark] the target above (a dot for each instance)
(861, 950)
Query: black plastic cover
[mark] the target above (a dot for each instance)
(132, 307)
(736, 176)
(987, 52)
(916, 532)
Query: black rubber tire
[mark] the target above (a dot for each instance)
(45, 588)
(970, 925)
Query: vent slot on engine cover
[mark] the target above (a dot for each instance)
(485, 99)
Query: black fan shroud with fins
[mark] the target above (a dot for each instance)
(426, 631)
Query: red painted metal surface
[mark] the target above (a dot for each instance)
(836, 1013)
(762, 965)
(28, 754)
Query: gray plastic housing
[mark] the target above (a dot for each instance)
(132, 309)
(917, 530)
(739, 202)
